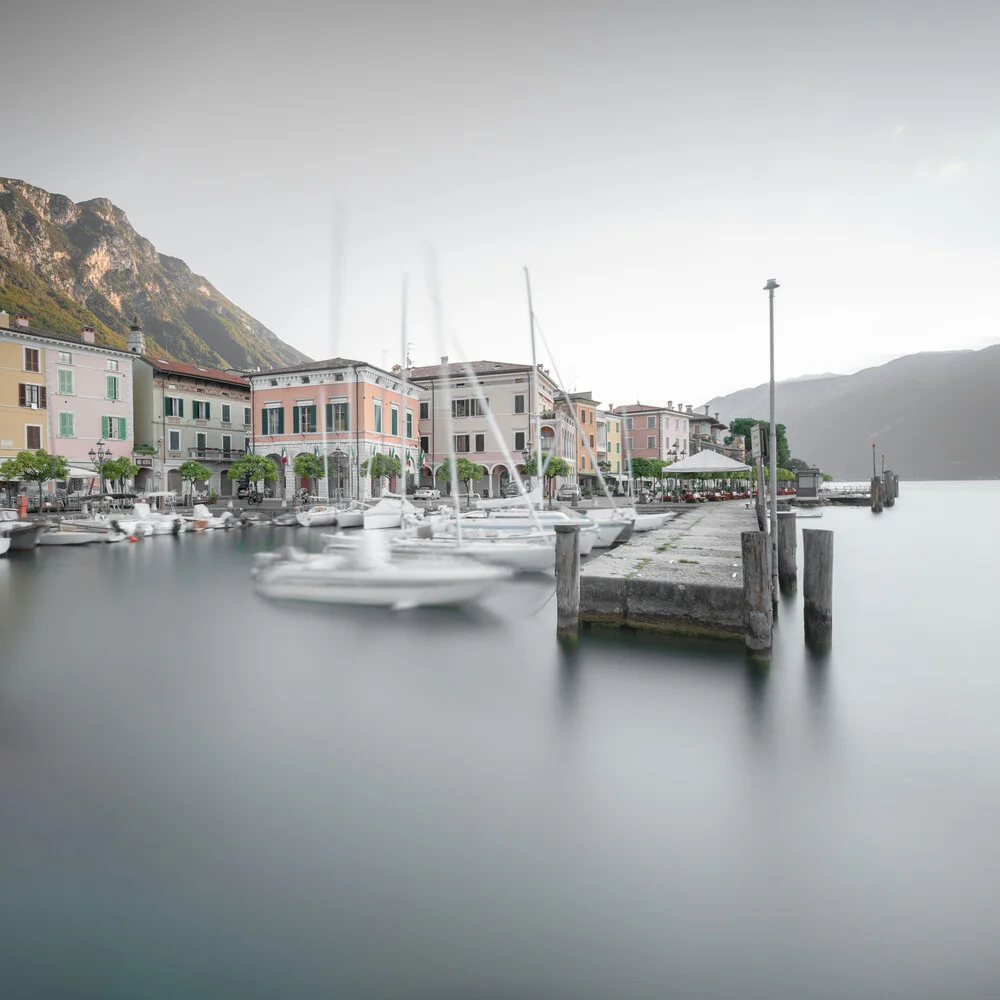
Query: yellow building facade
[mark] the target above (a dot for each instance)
(23, 397)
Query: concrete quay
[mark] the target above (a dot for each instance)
(685, 578)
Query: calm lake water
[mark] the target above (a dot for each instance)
(204, 794)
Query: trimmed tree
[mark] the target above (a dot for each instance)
(249, 469)
(551, 469)
(309, 467)
(120, 471)
(380, 465)
(190, 471)
(468, 472)
(35, 467)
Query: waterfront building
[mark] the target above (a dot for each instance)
(708, 433)
(656, 431)
(186, 413)
(515, 395)
(587, 457)
(346, 410)
(609, 446)
(63, 393)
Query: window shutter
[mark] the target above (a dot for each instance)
(295, 420)
(180, 407)
(105, 431)
(42, 397)
(329, 416)
(110, 386)
(122, 429)
(281, 420)
(263, 422)
(208, 411)
(21, 395)
(312, 419)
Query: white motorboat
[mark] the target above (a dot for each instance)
(522, 554)
(162, 524)
(352, 515)
(54, 535)
(23, 535)
(319, 516)
(4, 544)
(521, 521)
(391, 511)
(649, 522)
(358, 576)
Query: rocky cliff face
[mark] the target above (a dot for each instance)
(67, 264)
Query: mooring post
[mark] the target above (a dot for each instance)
(757, 594)
(876, 496)
(567, 581)
(788, 573)
(888, 495)
(895, 485)
(817, 587)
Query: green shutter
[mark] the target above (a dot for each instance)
(329, 416)
(208, 411)
(395, 422)
(312, 419)
(263, 422)
(295, 420)
(105, 433)
(122, 429)
(281, 420)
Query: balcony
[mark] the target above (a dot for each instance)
(215, 454)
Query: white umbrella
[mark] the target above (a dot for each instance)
(75, 472)
(706, 461)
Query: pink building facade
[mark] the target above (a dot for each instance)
(655, 431)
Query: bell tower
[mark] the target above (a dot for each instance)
(136, 338)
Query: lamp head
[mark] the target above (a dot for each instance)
(771, 285)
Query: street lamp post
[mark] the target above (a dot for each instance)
(98, 458)
(526, 456)
(773, 450)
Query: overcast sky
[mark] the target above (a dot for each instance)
(652, 163)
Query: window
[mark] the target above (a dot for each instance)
(425, 444)
(459, 407)
(31, 355)
(519, 441)
(201, 443)
(67, 425)
(628, 423)
(65, 382)
(480, 442)
(394, 421)
(31, 396)
(246, 416)
(226, 412)
(651, 442)
(677, 424)
(174, 440)
(246, 445)
(111, 390)
(112, 365)
(425, 411)
(305, 379)
(618, 447)
(304, 419)
(201, 409)
(227, 444)
(519, 403)
(32, 437)
(461, 442)
(378, 417)
(478, 407)
(274, 381)
(629, 444)
(65, 358)
(174, 406)
(591, 440)
(409, 424)
(272, 420)
(113, 428)
(650, 421)
(591, 416)
(337, 417)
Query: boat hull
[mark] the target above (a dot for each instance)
(317, 518)
(69, 537)
(4, 545)
(522, 557)
(23, 537)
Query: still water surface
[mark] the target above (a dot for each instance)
(204, 794)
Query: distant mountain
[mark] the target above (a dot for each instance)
(934, 415)
(67, 265)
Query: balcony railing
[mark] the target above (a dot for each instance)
(216, 454)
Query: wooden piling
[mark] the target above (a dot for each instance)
(567, 581)
(817, 587)
(876, 495)
(757, 595)
(888, 494)
(788, 572)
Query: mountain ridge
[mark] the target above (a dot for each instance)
(68, 264)
(927, 412)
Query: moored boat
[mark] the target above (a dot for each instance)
(23, 535)
(318, 516)
(391, 511)
(4, 544)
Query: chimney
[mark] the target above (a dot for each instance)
(4, 320)
(717, 420)
(670, 404)
(689, 408)
(706, 409)
(87, 334)
(21, 320)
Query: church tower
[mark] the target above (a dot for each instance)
(136, 338)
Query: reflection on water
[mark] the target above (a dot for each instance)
(203, 793)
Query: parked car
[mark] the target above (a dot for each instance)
(511, 490)
(568, 492)
(426, 493)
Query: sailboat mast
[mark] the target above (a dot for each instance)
(404, 375)
(536, 394)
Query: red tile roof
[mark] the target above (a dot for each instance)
(197, 371)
